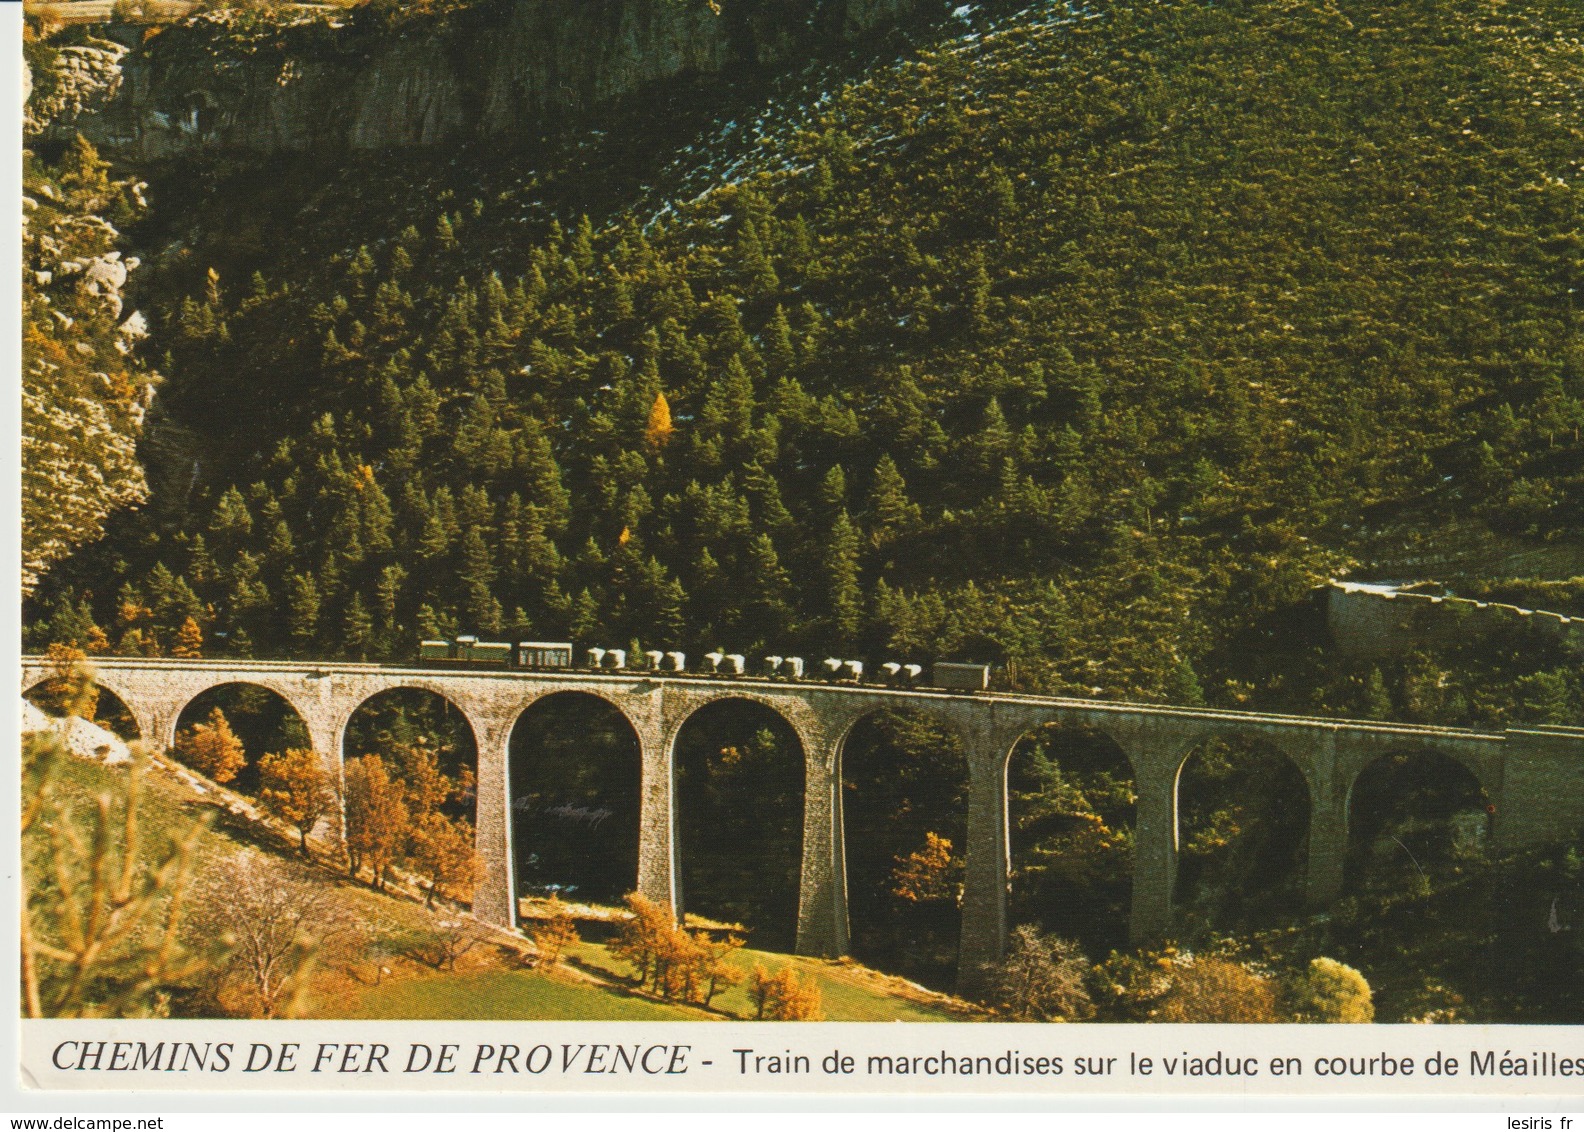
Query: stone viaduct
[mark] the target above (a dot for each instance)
(1534, 778)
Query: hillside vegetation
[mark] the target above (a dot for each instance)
(1078, 344)
(336, 948)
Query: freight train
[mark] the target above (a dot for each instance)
(468, 652)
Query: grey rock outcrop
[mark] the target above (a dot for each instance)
(498, 68)
(87, 81)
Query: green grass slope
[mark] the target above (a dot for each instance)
(377, 975)
(847, 994)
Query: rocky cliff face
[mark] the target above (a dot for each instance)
(497, 68)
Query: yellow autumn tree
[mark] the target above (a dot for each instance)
(657, 434)
(1333, 992)
(644, 936)
(930, 873)
(212, 748)
(1218, 990)
(555, 933)
(784, 996)
(294, 787)
(376, 817)
(189, 641)
(69, 689)
(444, 854)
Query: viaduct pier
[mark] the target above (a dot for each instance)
(1533, 777)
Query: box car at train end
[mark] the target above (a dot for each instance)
(961, 677)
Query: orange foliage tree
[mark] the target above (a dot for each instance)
(377, 822)
(442, 851)
(294, 787)
(69, 689)
(930, 873)
(1209, 989)
(672, 961)
(784, 996)
(212, 748)
(189, 641)
(554, 934)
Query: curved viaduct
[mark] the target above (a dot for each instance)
(1535, 778)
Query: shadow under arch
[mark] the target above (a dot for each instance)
(402, 725)
(1413, 816)
(1071, 805)
(263, 719)
(110, 710)
(739, 767)
(574, 767)
(904, 783)
(1243, 811)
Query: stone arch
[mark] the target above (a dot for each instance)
(782, 706)
(1244, 803)
(113, 710)
(1072, 801)
(929, 708)
(287, 689)
(906, 773)
(1413, 814)
(454, 738)
(574, 763)
(740, 771)
(257, 721)
(1295, 754)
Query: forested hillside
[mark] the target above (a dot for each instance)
(1078, 343)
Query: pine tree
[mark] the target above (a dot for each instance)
(758, 274)
(1377, 699)
(766, 587)
(585, 624)
(779, 350)
(582, 248)
(728, 406)
(387, 593)
(891, 512)
(1182, 685)
(541, 476)
(993, 446)
(357, 629)
(843, 597)
(482, 610)
(232, 522)
(280, 546)
(303, 611)
(445, 234)
(833, 489)
(979, 295)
